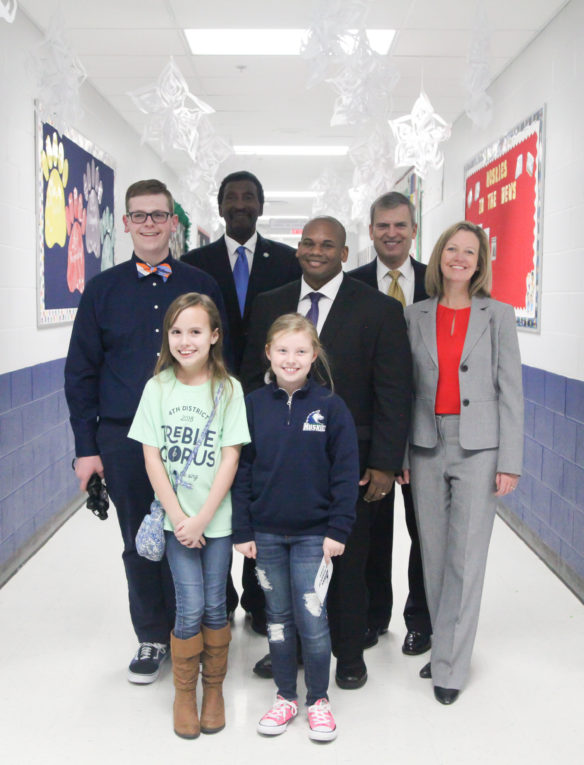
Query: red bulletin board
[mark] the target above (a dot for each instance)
(503, 194)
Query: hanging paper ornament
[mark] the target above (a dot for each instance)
(418, 135)
(364, 85)
(329, 36)
(173, 112)
(59, 74)
(8, 10)
(478, 104)
(374, 168)
(331, 197)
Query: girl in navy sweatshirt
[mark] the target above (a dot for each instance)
(294, 501)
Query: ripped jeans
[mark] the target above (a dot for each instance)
(286, 567)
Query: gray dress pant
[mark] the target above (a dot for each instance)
(455, 508)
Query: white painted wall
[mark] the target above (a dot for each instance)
(549, 72)
(21, 342)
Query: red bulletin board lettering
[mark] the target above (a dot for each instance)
(503, 187)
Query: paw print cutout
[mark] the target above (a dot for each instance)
(56, 172)
(93, 190)
(107, 239)
(76, 222)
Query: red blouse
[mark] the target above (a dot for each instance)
(451, 326)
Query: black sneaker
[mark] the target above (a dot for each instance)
(146, 663)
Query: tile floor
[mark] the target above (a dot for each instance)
(66, 640)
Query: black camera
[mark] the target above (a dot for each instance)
(97, 501)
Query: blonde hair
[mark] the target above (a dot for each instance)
(215, 361)
(295, 322)
(480, 283)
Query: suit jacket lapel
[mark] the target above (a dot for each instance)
(224, 273)
(428, 329)
(258, 271)
(337, 315)
(477, 324)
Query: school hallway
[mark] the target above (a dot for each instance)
(66, 641)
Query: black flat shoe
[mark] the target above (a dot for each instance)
(371, 637)
(349, 679)
(445, 695)
(263, 668)
(426, 671)
(416, 643)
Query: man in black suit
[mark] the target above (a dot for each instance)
(392, 230)
(365, 338)
(269, 264)
(244, 264)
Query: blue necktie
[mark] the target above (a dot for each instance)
(312, 314)
(241, 277)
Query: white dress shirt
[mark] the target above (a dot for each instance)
(232, 246)
(328, 292)
(407, 280)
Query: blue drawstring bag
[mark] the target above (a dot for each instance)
(150, 541)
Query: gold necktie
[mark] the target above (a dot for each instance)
(395, 291)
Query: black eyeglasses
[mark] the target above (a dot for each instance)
(158, 216)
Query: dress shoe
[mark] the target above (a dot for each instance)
(263, 667)
(426, 671)
(445, 695)
(350, 678)
(416, 643)
(258, 622)
(371, 637)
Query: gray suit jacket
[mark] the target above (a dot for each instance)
(491, 394)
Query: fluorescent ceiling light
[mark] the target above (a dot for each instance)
(290, 194)
(292, 151)
(267, 42)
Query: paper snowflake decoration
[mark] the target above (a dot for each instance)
(478, 104)
(364, 85)
(418, 135)
(173, 112)
(8, 10)
(59, 74)
(329, 34)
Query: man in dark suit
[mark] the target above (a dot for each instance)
(364, 336)
(396, 273)
(269, 264)
(244, 264)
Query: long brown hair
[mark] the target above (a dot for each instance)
(480, 283)
(295, 322)
(215, 362)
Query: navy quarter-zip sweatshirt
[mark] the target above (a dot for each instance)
(300, 473)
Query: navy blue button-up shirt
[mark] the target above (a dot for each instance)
(116, 339)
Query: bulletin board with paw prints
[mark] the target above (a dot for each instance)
(75, 225)
(504, 195)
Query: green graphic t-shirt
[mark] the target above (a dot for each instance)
(170, 416)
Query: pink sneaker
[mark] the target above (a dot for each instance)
(276, 720)
(321, 721)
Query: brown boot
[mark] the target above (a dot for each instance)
(215, 649)
(185, 665)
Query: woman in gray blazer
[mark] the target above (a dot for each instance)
(466, 439)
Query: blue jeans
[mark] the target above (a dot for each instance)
(286, 567)
(199, 577)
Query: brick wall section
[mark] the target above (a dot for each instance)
(550, 496)
(36, 449)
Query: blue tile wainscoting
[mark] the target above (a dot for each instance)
(547, 510)
(38, 489)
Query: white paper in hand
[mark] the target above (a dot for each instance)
(322, 579)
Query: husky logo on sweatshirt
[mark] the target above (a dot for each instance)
(315, 421)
